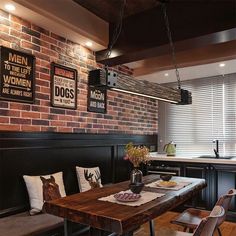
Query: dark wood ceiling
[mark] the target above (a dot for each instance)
(108, 10)
(195, 24)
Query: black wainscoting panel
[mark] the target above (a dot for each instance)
(46, 161)
(46, 153)
(123, 166)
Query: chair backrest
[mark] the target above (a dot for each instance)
(208, 224)
(224, 201)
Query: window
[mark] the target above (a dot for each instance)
(211, 116)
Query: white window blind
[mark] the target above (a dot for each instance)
(211, 116)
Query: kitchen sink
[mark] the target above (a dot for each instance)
(214, 157)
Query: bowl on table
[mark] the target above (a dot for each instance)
(166, 184)
(136, 188)
(127, 197)
(166, 177)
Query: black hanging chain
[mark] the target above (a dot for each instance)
(117, 30)
(172, 46)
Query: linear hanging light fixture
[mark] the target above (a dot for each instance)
(186, 96)
(126, 84)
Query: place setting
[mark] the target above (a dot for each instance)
(167, 182)
(129, 198)
(134, 196)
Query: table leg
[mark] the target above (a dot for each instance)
(97, 232)
(194, 201)
(67, 229)
(152, 228)
(128, 234)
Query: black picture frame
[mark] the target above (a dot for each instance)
(17, 75)
(63, 86)
(97, 99)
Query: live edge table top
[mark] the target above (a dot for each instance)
(85, 208)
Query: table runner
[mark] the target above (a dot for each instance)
(145, 197)
(179, 185)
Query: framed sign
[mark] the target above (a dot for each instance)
(97, 99)
(63, 87)
(17, 75)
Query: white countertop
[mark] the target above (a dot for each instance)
(163, 157)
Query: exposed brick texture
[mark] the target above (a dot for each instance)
(125, 113)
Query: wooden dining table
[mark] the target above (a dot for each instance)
(87, 209)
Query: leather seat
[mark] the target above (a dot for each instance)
(191, 218)
(23, 224)
(205, 228)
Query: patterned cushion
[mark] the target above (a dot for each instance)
(88, 178)
(43, 188)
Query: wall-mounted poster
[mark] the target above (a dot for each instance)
(97, 99)
(17, 73)
(64, 86)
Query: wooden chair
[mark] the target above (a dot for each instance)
(191, 218)
(205, 228)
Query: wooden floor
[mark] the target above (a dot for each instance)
(227, 229)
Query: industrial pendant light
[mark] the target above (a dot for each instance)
(186, 96)
(121, 83)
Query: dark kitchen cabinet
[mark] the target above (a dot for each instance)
(202, 171)
(225, 179)
(219, 178)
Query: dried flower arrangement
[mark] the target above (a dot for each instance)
(136, 154)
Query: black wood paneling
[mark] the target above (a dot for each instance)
(45, 153)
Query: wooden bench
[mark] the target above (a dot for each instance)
(46, 153)
(23, 224)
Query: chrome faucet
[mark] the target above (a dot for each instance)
(216, 150)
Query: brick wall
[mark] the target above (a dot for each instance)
(125, 113)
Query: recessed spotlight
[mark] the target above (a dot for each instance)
(114, 53)
(89, 44)
(166, 74)
(10, 7)
(222, 65)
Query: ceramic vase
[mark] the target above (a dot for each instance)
(136, 184)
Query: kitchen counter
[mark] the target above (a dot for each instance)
(154, 156)
(220, 176)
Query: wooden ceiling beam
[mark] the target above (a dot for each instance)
(193, 25)
(180, 46)
(199, 56)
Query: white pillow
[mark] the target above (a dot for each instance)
(34, 186)
(93, 180)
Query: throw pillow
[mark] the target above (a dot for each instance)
(88, 178)
(43, 188)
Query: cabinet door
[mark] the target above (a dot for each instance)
(225, 180)
(199, 171)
